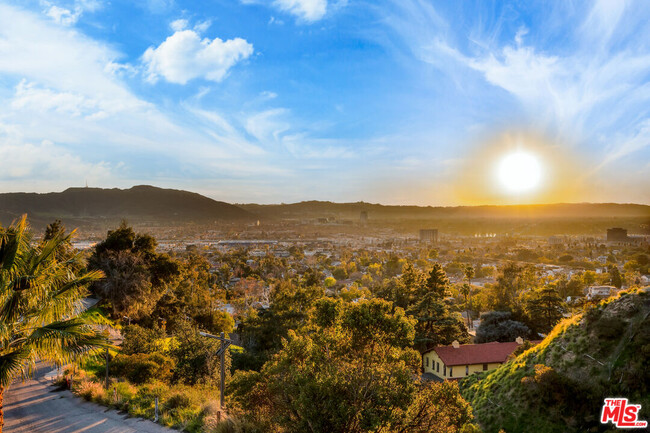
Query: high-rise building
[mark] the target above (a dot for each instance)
(428, 235)
(363, 217)
(617, 234)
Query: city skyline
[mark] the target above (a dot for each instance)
(396, 102)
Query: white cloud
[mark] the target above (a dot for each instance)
(46, 161)
(70, 13)
(202, 26)
(178, 25)
(64, 88)
(307, 10)
(184, 56)
(63, 16)
(267, 126)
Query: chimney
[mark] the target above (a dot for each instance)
(455, 344)
(519, 340)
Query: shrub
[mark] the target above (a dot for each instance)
(609, 327)
(141, 368)
(142, 340)
(178, 400)
(90, 391)
(499, 326)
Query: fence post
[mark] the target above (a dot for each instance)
(155, 419)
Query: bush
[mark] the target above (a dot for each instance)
(499, 326)
(142, 340)
(178, 400)
(140, 368)
(90, 391)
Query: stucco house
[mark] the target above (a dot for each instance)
(458, 361)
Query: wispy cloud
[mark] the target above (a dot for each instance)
(306, 11)
(586, 86)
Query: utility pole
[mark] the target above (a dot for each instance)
(225, 343)
(106, 368)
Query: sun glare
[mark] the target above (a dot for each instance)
(519, 172)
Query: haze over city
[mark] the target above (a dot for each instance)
(396, 102)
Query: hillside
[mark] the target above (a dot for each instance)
(560, 385)
(351, 210)
(136, 204)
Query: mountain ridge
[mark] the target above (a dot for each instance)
(136, 203)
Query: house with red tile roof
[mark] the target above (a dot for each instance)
(458, 361)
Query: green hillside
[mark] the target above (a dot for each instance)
(560, 385)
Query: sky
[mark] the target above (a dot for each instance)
(270, 101)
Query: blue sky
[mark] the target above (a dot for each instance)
(394, 101)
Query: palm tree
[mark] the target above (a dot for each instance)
(41, 317)
(466, 291)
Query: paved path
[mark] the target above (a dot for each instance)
(37, 407)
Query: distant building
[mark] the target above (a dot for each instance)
(429, 235)
(457, 361)
(556, 240)
(617, 234)
(363, 217)
(600, 292)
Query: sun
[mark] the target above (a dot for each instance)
(519, 172)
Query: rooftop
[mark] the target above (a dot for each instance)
(468, 354)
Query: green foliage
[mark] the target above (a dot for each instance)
(560, 384)
(499, 326)
(40, 303)
(195, 357)
(140, 368)
(135, 274)
(350, 371)
(544, 309)
(262, 331)
(138, 339)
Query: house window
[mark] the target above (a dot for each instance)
(437, 367)
(466, 370)
(485, 367)
(427, 360)
(451, 371)
(444, 370)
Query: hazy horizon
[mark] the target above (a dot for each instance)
(235, 202)
(406, 102)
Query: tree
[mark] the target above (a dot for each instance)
(436, 325)
(351, 371)
(466, 291)
(53, 230)
(544, 309)
(437, 282)
(262, 330)
(499, 326)
(136, 276)
(195, 356)
(615, 276)
(40, 305)
(511, 282)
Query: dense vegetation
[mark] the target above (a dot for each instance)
(560, 384)
(325, 342)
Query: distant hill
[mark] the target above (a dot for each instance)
(140, 203)
(560, 384)
(315, 209)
